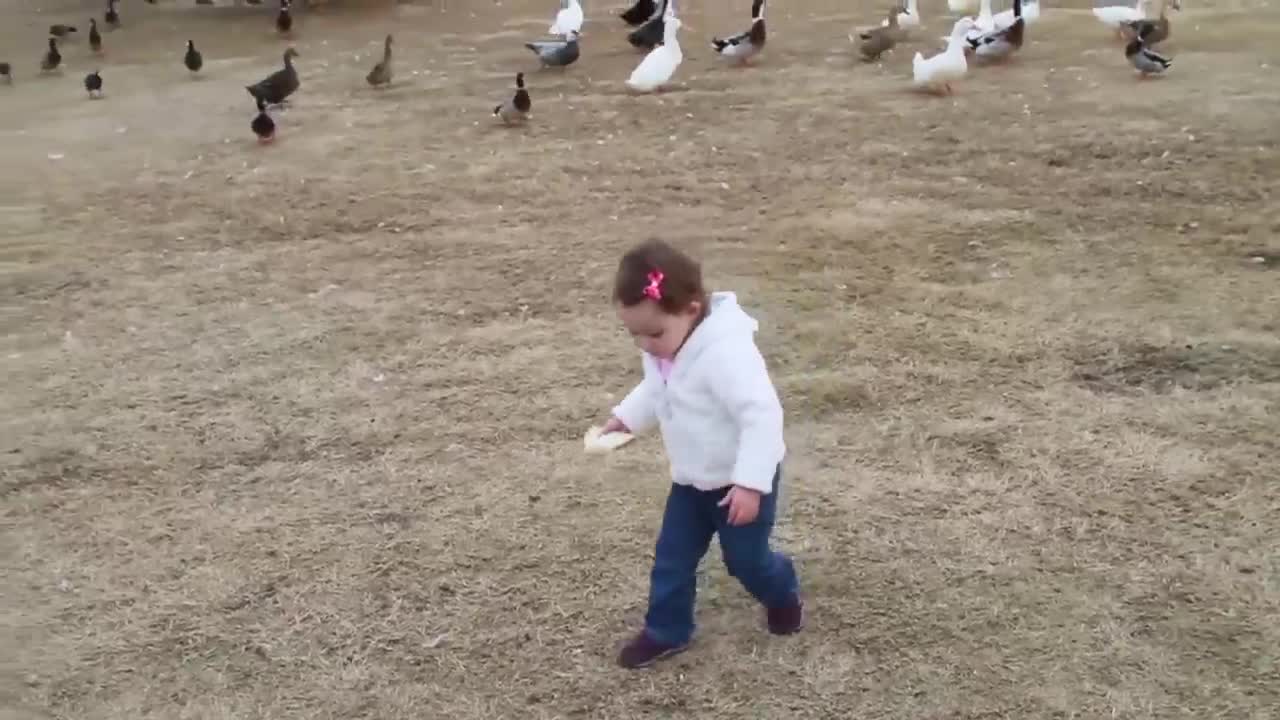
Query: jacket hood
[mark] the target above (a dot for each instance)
(725, 320)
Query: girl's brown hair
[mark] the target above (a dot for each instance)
(654, 267)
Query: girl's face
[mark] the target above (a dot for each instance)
(658, 333)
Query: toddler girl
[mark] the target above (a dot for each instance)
(707, 388)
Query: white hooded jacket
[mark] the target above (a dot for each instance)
(720, 416)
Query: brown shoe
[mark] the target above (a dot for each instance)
(644, 651)
(786, 620)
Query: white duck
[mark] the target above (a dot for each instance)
(961, 6)
(568, 19)
(937, 72)
(1030, 14)
(1116, 16)
(908, 18)
(656, 69)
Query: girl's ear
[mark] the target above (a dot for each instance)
(694, 308)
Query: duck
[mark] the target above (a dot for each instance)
(1001, 42)
(908, 17)
(1147, 61)
(275, 88)
(193, 59)
(6, 72)
(556, 53)
(568, 19)
(650, 34)
(656, 69)
(745, 45)
(1154, 32)
(61, 31)
(1030, 14)
(263, 126)
(93, 83)
(95, 37)
(876, 41)
(938, 72)
(284, 20)
(111, 16)
(52, 58)
(956, 7)
(639, 12)
(1115, 16)
(516, 108)
(380, 75)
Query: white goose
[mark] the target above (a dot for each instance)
(908, 18)
(1115, 16)
(568, 19)
(937, 73)
(656, 69)
(985, 22)
(1030, 14)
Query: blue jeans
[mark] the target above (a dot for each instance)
(691, 518)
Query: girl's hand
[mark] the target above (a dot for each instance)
(614, 425)
(744, 505)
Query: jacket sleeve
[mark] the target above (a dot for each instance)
(741, 381)
(639, 409)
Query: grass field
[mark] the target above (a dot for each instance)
(295, 431)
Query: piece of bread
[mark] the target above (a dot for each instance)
(596, 441)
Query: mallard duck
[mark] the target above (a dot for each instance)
(95, 38)
(876, 41)
(52, 58)
(1030, 14)
(279, 85)
(1115, 16)
(745, 45)
(60, 31)
(284, 20)
(656, 69)
(908, 17)
(556, 53)
(641, 11)
(193, 59)
(93, 83)
(568, 19)
(263, 126)
(381, 73)
(1146, 60)
(516, 109)
(111, 16)
(1153, 32)
(938, 72)
(6, 72)
(1001, 42)
(649, 35)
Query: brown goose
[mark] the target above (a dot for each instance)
(284, 21)
(52, 58)
(95, 37)
(744, 45)
(381, 73)
(516, 109)
(275, 88)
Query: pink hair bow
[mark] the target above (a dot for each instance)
(654, 288)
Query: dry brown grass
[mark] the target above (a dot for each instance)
(294, 432)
